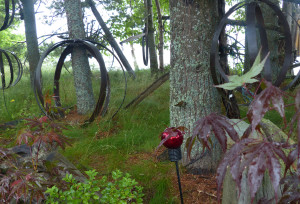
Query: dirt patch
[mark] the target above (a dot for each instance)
(197, 188)
(73, 118)
(101, 134)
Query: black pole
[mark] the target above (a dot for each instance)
(179, 184)
(175, 156)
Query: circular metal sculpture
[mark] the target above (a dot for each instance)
(254, 22)
(8, 55)
(104, 96)
(9, 60)
(145, 47)
(8, 19)
(93, 50)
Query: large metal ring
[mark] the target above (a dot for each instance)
(8, 19)
(69, 46)
(12, 82)
(253, 14)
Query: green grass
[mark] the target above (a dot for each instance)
(126, 142)
(132, 133)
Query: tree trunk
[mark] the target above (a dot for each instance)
(161, 37)
(80, 63)
(192, 26)
(287, 9)
(247, 65)
(151, 38)
(273, 37)
(136, 66)
(31, 36)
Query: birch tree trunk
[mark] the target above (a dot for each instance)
(192, 26)
(80, 63)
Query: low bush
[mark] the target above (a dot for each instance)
(123, 189)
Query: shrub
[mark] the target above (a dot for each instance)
(123, 189)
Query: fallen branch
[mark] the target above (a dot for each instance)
(155, 85)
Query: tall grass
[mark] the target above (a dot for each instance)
(125, 142)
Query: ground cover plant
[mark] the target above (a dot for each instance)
(21, 177)
(123, 189)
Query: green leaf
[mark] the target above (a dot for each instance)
(237, 81)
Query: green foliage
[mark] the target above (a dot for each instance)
(236, 81)
(9, 38)
(77, 192)
(128, 17)
(123, 189)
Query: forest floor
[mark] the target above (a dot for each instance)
(200, 189)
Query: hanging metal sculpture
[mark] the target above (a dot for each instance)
(254, 23)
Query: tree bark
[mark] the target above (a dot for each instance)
(161, 37)
(273, 37)
(31, 36)
(80, 63)
(151, 38)
(192, 26)
(287, 9)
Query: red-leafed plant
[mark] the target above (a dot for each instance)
(42, 132)
(256, 155)
(22, 180)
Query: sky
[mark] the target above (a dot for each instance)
(61, 25)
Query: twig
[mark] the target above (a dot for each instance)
(209, 194)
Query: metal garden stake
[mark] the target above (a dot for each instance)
(173, 139)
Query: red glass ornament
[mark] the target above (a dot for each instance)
(175, 140)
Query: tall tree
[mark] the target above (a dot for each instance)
(151, 37)
(80, 63)
(192, 94)
(31, 36)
